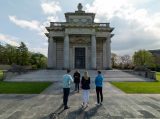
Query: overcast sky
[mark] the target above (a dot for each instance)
(136, 22)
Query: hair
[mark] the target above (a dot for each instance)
(86, 75)
(99, 72)
(68, 70)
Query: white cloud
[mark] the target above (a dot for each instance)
(9, 40)
(51, 7)
(32, 25)
(40, 50)
(135, 26)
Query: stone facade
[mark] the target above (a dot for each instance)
(79, 43)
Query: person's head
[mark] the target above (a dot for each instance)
(68, 70)
(86, 76)
(99, 72)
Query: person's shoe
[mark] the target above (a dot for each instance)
(66, 107)
(82, 105)
(97, 104)
(100, 103)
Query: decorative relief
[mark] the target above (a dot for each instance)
(80, 40)
(80, 21)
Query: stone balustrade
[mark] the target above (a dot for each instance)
(146, 74)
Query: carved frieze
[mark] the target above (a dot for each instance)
(79, 40)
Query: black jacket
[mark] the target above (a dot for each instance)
(76, 77)
(85, 84)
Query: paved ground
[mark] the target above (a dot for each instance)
(56, 75)
(116, 105)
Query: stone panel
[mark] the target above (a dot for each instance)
(99, 50)
(59, 53)
(79, 31)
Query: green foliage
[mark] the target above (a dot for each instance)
(38, 60)
(23, 87)
(158, 76)
(143, 58)
(21, 56)
(139, 87)
(1, 75)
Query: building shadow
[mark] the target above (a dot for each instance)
(83, 113)
(57, 112)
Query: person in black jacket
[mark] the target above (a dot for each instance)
(85, 85)
(76, 80)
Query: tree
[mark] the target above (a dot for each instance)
(38, 60)
(126, 62)
(143, 58)
(23, 54)
(114, 59)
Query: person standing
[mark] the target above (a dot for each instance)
(67, 79)
(85, 84)
(99, 85)
(76, 80)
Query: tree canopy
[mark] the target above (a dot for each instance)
(143, 58)
(21, 56)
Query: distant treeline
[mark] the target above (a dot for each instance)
(21, 56)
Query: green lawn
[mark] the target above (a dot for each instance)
(139, 87)
(158, 76)
(23, 87)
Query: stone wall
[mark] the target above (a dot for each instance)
(5, 67)
(146, 74)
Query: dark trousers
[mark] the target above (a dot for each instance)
(77, 86)
(99, 92)
(65, 95)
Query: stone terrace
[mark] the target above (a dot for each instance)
(48, 104)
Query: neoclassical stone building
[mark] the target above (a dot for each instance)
(79, 43)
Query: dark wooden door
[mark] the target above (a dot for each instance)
(80, 58)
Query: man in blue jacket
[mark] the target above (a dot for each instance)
(99, 85)
(67, 79)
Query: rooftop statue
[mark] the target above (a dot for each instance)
(79, 7)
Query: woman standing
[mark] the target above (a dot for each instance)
(85, 84)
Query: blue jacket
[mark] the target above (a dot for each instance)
(99, 80)
(67, 79)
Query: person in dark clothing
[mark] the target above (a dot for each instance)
(85, 85)
(99, 84)
(76, 80)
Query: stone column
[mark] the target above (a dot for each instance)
(93, 52)
(104, 54)
(108, 53)
(66, 51)
(50, 53)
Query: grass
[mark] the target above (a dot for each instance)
(138, 87)
(158, 76)
(23, 87)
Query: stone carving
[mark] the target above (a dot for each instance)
(80, 41)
